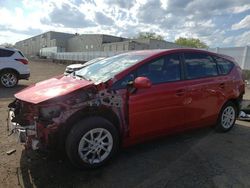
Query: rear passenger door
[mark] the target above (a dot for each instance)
(203, 81)
(226, 82)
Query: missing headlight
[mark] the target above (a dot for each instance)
(50, 112)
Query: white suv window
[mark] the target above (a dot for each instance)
(21, 53)
(6, 53)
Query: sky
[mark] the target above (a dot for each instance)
(219, 23)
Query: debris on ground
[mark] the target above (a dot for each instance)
(244, 116)
(11, 151)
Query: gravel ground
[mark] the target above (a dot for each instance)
(201, 158)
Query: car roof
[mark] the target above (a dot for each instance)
(156, 52)
(160, 51)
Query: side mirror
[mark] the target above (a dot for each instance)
(142, 82)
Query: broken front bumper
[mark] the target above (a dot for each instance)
(24, 134)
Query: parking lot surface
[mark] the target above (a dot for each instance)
(200, 158)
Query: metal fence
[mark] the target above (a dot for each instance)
(241, 55)
(83, 56)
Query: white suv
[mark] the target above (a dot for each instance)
(13, 67)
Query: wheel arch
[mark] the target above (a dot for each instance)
(10, 69)
(235, 101)
(103, 112)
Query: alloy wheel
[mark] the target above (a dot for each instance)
(95, 146)
(228, 117)
(8, 79)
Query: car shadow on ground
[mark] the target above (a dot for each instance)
(9, 92)
(132, 167)
(198, 158)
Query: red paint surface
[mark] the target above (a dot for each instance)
(51, 88)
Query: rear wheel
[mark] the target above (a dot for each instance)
(8, 79)
(227, 117)
(92, 142)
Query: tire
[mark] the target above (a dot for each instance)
(79, 138)
(8, 79)
(227, 117)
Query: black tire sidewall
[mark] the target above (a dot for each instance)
(78, 131)
(4, 72)
(220, 127)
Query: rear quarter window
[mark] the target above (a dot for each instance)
(21, 53)
(6, 53)
(224, 66)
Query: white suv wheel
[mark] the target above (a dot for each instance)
(8, 79)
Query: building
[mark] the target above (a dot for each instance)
(139, 44)
(91, 42)
(53, 42)
(32, 46)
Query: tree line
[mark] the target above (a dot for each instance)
(188, 42)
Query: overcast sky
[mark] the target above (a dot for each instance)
(216, 22)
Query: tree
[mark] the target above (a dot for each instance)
(7, 45)
(191, 42)
(149, 35)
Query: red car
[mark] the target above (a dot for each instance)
(126, 99)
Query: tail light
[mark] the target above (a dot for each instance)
(23, 61)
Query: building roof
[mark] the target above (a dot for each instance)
(43, 34)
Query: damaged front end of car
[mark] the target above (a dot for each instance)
(36, 125)
(22, 122)
(40, 126)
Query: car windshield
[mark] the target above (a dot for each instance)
(107, 68)
(93, 61)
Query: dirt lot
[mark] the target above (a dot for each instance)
(201, 158)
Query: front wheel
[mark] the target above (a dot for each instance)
(92, 142)
(227, 117)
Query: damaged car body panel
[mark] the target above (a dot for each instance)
(52, 106)
(125, 99)
(45, 119)
(51, 88)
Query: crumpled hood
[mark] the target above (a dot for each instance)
(51, 88)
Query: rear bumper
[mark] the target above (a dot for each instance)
(24, 76)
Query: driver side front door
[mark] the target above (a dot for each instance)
(159, 109)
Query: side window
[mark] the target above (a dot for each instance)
(165, 69)
(224, 65)
(152, 70)
(6, 53)
(21, 53)
(199, 65)
(121, 84)
(172, 68)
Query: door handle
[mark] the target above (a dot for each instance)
(222, 85)
(180, 92)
